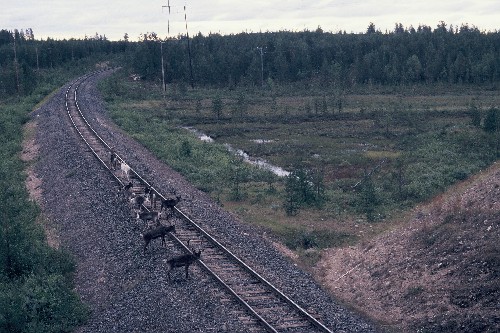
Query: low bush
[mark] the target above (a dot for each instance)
(36, 289)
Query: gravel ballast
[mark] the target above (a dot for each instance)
(127, 290)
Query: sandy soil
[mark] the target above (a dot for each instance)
(29, 154)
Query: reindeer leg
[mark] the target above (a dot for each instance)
(169, 269)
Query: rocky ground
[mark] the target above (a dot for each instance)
(128, 291)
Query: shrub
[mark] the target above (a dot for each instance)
(491, 121)
(301, 239)
(35, 281)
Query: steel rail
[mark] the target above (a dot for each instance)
(253, 272)
(268, 326)
(204, 233)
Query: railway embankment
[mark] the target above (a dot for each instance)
(126, 289)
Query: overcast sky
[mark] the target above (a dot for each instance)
(64, 19)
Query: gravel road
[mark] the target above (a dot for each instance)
(129, 291)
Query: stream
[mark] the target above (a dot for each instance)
(258, 162)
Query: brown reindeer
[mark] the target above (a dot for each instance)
(137, 201)
(150, 193)
(170, 203)
(184, 260)
(127, 188)
(113, 159)
(157, 232)
(146, 216)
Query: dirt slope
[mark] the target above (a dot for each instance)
(439, 271)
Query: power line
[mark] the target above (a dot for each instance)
(169, 7)
(164, 86)
(189, 49)
(168, 19)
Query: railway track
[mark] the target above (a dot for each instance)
(265, 307)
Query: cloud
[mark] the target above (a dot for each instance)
(64, 19)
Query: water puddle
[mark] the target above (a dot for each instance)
(258, 162)
(200, 135)
(261, 141)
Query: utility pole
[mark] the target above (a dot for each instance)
(188, 41)
(16, 67)
(161, 49)
(37, 62)
(261, 65)
(168, 21)
(189, 50)
(164, 88)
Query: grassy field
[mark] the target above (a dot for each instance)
(362, 156)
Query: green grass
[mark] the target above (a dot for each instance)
(413, 143)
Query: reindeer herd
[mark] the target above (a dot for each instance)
(151, 218)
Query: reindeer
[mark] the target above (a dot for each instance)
(113, 159)
(183, 260)
(137, 200)
(170, 203)
(159, 231)
(147, 190)
(150, 193)
(128, 187)
(126, 190)
(125, 169)
(146, 216)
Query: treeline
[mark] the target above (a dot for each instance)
(450, 55)
(22, 56)
(404, 56)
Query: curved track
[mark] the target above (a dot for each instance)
(266, 307)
